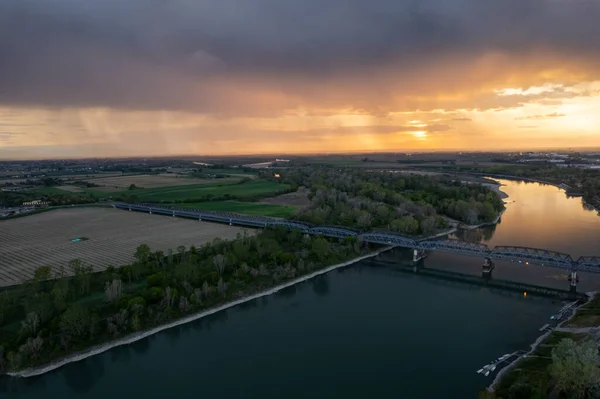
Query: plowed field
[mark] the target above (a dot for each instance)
(112, 237)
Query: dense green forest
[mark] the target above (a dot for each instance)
(71, 308)
(403, 203)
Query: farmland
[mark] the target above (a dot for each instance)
(202, 192)
(113, 235)
(249, 208)
(150, 181)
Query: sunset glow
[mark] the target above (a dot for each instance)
(177, 89)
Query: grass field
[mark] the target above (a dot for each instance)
(150, 181)
(218, 189)
(249, 208)
(113, 235)
(587, 315)
(59, 190)
(249, 189)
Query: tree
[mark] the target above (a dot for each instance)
(113, 290)
(428, 225)
(488, 213)
(33, 346)
(42, 273)
(181, 252)
(75, 321)
(575, 368)
(219, 262)
(320, 247)
(126, 271)
(82, 274)
(206, 289)
(59, 293)
(142, 253)
(41, 304)
(31, 323)
(364, 220)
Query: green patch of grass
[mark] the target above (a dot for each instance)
(587, 315)
(249, 208)
(246, 190)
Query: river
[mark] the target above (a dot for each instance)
(363, 331)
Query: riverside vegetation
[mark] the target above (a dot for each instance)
(406, 204)
(52, 315)
(564, 365)
(584, 182)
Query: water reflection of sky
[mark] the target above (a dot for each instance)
(542, 216)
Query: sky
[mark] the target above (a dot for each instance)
(213, 77)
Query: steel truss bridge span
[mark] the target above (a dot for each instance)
(515, 254)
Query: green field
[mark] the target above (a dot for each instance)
(202, 192)
(218, 190)
(229, 171)
(249, 208)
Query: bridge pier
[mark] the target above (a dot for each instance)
(487, 267)
(418, 254)
(573, 280)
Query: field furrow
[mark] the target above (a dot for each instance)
(112, 237)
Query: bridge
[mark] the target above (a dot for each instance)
(515, 254)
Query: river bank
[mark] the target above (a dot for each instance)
(460, 225)
(541, 339)
(95, 350)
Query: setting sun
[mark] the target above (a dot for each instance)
(420, 135)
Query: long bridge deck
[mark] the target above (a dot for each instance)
(516, 254)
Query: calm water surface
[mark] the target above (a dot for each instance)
(353, 333)
(537, 216)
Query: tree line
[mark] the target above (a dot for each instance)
(14, 199)
(69, 308)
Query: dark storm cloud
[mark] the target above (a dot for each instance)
(184, 54)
